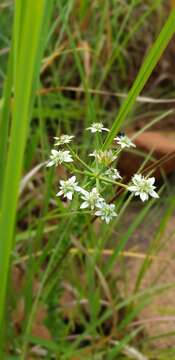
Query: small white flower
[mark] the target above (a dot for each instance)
(68, 187)
(106, 212)
(124, 141)
(104, 157)
(143, 187)
(91, 199)
(113, 174)
(59, 157)
(97, 127)
(63, 139)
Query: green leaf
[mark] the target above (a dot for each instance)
(143, 75)
(30, 30)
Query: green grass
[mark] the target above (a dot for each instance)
(29, 24)
(100, 48)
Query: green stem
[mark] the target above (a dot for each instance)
(75, 155)
(113, 182)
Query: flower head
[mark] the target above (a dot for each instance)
(97, 127)
(68, 188)
(63, 139)
(104, 157)
(59, 157)
(124, 141)
(143, 187)
(91, 199)
(106, 211)
(112, 174)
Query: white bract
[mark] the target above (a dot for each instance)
(59, 157)
(104, 157)
(112, 174)
(97, 127)
(106, 212)
(91, 199)
(124, 141)
(68, 188)
(63, 139)
(143, 187)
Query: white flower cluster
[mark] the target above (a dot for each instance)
(105, 157)
(102, 173)
(97, 127)
(91, 199)
(63, 139)
(68, 188)
(59, 157)
(124, 142)
(143, 187)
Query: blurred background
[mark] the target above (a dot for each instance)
(94, 51)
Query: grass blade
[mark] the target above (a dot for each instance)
(4, 120)
(143, 75)
(27, 59)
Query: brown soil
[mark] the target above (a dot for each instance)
(159, 316)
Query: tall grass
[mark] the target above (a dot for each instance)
(144, 74)
(30, 34)
(30, 30)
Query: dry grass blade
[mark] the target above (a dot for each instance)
(140, 99)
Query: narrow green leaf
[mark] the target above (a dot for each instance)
(4, 120)
(27, 56)
(143, 75)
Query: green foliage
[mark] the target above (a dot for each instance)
(30, 26)
(93, 52)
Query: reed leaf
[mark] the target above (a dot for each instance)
(30, 29)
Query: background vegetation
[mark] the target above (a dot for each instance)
(76, 290)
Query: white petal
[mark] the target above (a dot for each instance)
(132, 188)
(72, 179)
(78, 189)
(154, 194)
(98, 213)
(100, 205)
(143, 196)
(112, 206)
(69, 195)
(50, 163)
(106, 218)
(59, 193)
(118, 176)
(68, 159)
(54, 152)
(94, 190)
(84, 205)
(136, 178)
(84, 192)
(151, 180)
